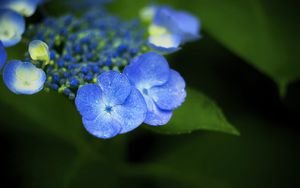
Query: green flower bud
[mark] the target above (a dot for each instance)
(38, 50)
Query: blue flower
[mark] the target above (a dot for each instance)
(12, 26)
(180, 23)
(3, 55)
(110, 107)
(23, 77)
(169, 28)
(162, 88)
(23, 7)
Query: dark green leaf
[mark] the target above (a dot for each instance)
(198, 112)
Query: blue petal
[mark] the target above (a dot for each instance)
(132, 113)
(104, 126)
(170, 95)
(23, 7)
(115, 86)
(89, 100)
(164, 44)
(12, 41)
(23, 78)
(156, 116)
(12, 26)
(148, 70)
(3, 55)
(182, 23)
(164, 17)
(188, 26)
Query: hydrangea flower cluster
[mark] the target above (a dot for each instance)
(80, 49)
(112, 68)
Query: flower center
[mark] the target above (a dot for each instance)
(26, 83)
(108, 109)
(145, 91)
(6, 34)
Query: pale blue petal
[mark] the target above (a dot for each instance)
(170, 95)
(12, 26)
(156, 116)
(115, 86)
(164, 17)
(132, 113)
(179, 23)
(12, 41)
(104, 126)
(148, 70)
(23, 77)
(23, 7)
(188, 26)
(89, 101)
(3, 55)
(164, 44)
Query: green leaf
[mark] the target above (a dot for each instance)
(262, 32)
(198, 112)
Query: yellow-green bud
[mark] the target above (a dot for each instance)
(38, 50)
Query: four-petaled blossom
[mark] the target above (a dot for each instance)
(23, 7)
(23, 77)
(38, 50)
(3, 55)
(110, 107)
(12, 26)
(170, 28)
(162, 88)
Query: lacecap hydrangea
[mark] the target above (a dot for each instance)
(116, 75)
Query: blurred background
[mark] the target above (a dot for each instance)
(247, 62)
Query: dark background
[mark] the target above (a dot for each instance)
(266, 154)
